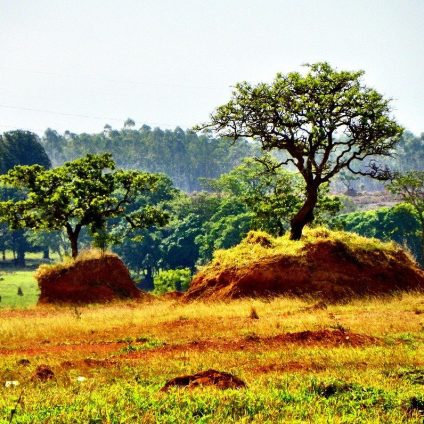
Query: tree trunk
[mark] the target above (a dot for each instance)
(20, 258)
(74, 245)
(305, 215)
(147, 283)
(73, 238)
(46, 253)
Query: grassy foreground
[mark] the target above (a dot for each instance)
(10, 282)
(127, 351)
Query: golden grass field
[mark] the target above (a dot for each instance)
(126, 351)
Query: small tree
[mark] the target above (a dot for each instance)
(325, 120)
(172, 280)
(410, 187)
(85, 192)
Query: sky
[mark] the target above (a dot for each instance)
(78, 65)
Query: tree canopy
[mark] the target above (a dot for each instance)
(83, 193)
(21, 148)
(182, 155)
(324, 120)
(410, 187)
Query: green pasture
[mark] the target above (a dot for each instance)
(10, 282)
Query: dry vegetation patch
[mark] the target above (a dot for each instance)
(123, 353)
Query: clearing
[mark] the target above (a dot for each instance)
(361, 361)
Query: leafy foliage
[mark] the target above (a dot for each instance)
(410, 187)
(182, 155)
(326, 120)
(399, 223)
(83, 193)
(21, 148)
(172, 280)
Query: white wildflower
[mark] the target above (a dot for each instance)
(11, 383)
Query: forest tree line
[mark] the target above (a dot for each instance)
(220, 206)
(182, 155)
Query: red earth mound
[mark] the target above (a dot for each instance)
(93, 279)
(218, 379)
(326, 270)
(173, 295)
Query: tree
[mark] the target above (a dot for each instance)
(53, 144)
(325, 120)
(21, 148)
(410, 187)
(348, 180)
(129, 123)
(399, 223)
(270, 197)
(84, 193)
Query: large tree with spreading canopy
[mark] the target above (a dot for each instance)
(324, 120)
(83, 193)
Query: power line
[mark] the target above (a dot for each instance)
(78, 115)
(113, 80)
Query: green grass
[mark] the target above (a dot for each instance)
(33, 256)
(288, 399)
(10, 281)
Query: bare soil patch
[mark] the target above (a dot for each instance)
(43, 373)
(218, 379)
(326, 338)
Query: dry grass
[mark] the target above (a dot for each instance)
(127, 351)
(259, 245)
(178, 322)
(84, 255)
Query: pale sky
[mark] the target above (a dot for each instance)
(77, 65)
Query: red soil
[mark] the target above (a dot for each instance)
(113, 350)
(327, 270)
(94, 280)
(218, 379)
(290, 366)
(43, 373)
(326, 337)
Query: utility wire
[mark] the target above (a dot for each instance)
(113, 80)
(78, 115)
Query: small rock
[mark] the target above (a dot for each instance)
(80, 379)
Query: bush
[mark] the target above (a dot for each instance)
(172, 280)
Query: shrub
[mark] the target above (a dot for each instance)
(172, 280)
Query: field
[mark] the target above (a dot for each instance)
(302, 362)
(10, 282)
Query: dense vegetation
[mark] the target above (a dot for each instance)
(165, 200)
(231, 203)
(183, 155)
(325, 120)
